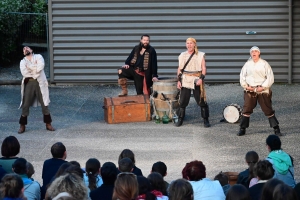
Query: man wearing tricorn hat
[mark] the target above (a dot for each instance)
(34, 88)
(256, 78)
(191, 73)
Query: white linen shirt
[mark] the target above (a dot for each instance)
(257, 73)
(195, 65)
(35, 68)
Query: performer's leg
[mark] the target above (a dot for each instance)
(138, 82)
(243, 125)
(45, 110)
(125, 74)
(27, 101)
(203, 105)
(250, 102)
(23, 123)
(265, 102)
(184, 99)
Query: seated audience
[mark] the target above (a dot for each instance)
(50, 166)
(281, 161)
(74, 162)
(30, 170)
(161, 168)
(10, 148)
(180, 189)
(204, 188)
(144, 189)
(70, 185)
(11, 187)
(74, 169)
(245, 176)
(91, 177)
(223, 179)
(158, 186)
(284, 192)
(125, 165)
(126, 187)
(31, 188)
(297, 189)
(127, 153)
(109, 174)
(238, 192)
(2, 172)
(268, 189)
(61, 170)
(263, 171)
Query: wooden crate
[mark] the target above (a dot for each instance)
(126, 109)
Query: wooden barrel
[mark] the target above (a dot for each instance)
(166, 87)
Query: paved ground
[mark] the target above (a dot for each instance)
(78, 116)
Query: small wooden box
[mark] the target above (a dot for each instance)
(126, 109)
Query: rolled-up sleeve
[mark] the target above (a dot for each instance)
(269, 77)
(243, 75)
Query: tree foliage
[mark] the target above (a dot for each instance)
(10, 23)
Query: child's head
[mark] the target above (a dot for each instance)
(58, 150)
(222, 178)
(127, 153)
(126, 165)
(251, 157)
(30, 169)
(160, 167)
(92, 168)
(11, 186)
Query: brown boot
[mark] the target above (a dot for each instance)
(22, 122)
(49, 127)
(22, 129)
(123, 83)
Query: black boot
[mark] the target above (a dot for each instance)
(205, 115)
(243, 125)
(274, 124)
(181, 115)
(22, 122)
(48, 120)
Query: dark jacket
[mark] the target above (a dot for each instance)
(256, 190)
(104, 192)
(152, 68)
(50, 168)
(243, 178)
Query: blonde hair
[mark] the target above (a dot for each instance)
(69, 183)
(195, 42)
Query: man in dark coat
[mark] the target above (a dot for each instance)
(140, 66)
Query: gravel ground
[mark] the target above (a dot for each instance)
(79, 118)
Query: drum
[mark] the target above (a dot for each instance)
(232, 113)
(165, 94)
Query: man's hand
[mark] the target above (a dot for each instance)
(259, 89)
(179, 85)
(199, 82)
(125, 66)
(154, 79)
(250, 88)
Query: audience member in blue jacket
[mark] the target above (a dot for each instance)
(50, 167)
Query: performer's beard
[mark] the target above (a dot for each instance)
(145, 46)
(27, 53)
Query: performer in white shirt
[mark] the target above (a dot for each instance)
(191, 73)
(34, 88)
(257, 78)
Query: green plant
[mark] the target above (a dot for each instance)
(10, 23)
